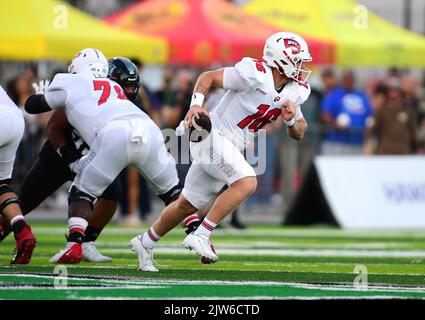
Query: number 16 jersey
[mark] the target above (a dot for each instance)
(251, 101)
(90, 102)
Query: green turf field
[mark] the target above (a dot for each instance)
(262, 262)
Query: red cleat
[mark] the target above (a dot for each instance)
(72, 254)
(25, 244)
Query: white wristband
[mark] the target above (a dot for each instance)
(289, 123)
(181, 129)
(197, 99)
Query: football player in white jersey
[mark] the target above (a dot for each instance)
(118, 134)
(258, 92)
(11, 131)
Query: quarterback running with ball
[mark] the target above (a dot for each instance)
(257, 93)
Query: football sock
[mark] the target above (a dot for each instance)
(150, 238)
(205, 228)
(92, 234)
(18, 223)
(77, 227)
(192, 222)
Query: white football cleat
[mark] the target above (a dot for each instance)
(73, 253)
(91, 254)
(201, 245)
(144, 255)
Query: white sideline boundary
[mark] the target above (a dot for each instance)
(165, 283)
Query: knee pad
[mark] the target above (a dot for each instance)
(6, 189)
(172, 194)
(76, 195)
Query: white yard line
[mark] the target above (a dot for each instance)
(310, 233)
(169, 282)
(28, 287)
(223, 250)
(287, 298)
(272, 245)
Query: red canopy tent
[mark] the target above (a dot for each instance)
(206, 31)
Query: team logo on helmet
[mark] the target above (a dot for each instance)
(290, 43)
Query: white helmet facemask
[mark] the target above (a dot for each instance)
(90, 61)
(303, 73)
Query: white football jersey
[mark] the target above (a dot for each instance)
(6, 104)
(251, 101)
(90, 102)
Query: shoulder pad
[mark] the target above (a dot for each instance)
(252, 71)
(59, 80)
(300, 92)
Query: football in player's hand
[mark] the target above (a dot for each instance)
(200, 128)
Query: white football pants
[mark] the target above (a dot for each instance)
(12, 128)
(136, 142)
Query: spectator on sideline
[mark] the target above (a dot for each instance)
(393, 125)
(345, 111)
(410, 88)
(329, 80)
(378, 96)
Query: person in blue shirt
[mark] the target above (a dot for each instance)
(345, 111)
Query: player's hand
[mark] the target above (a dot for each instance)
(41, 86)
(74, 167)
(288, 110)
(70, 155)
(194, 112)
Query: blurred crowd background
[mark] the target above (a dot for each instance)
(356, 112)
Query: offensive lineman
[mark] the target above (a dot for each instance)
(11, 131)
(64, 146)
(118, 134)
(257, 92)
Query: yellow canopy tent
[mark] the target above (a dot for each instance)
(361, 37)
(50, 29)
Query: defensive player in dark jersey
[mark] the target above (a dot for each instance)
(64, 146)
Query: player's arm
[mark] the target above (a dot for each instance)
(48, 97)
(297, 125)
(298, 130)
(209, 79)
(227, 78)
(36, 104)
(59, 133)
(204, 83)
(58, 129)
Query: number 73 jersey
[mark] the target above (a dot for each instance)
(251, 101)
(89, 102)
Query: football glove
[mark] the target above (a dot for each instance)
(41, 87)
(70, 155)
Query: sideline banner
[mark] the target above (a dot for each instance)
(374, 192)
